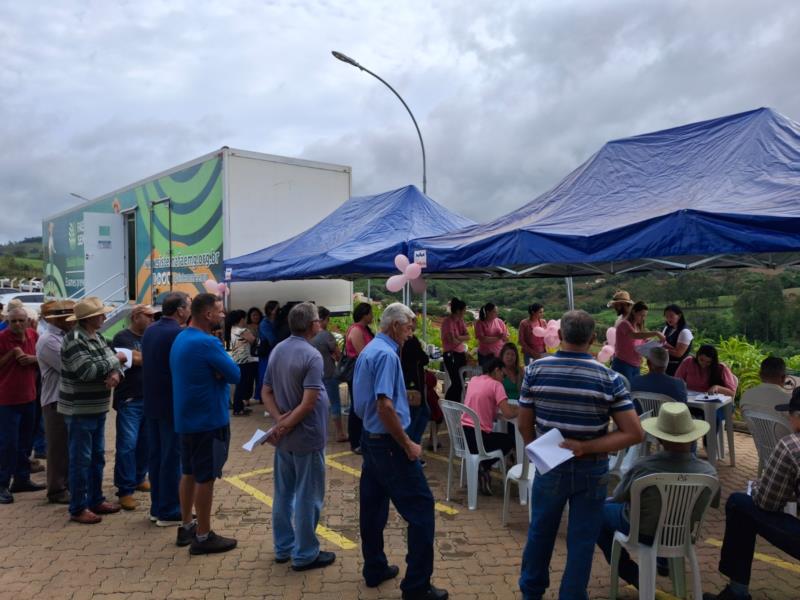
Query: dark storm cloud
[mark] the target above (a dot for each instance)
(510, 96)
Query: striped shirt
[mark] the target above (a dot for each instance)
(86, 361)
(573, 393)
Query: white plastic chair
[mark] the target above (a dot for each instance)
(766, 430)
(522, 474)
(459, 448)
(651, 403)
(622, 462)
(465, 374)
(675, 534)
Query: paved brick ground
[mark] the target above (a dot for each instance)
(42, 555)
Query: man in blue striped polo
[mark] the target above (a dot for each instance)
(572, 392)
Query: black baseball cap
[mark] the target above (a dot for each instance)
(794, 403)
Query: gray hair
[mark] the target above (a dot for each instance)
(396, 312)
(577, 327)
(18, 309)
(301, 317)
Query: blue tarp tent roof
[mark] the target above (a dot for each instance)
(361, 237)
(722, 192)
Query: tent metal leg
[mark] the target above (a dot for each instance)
(570, 293)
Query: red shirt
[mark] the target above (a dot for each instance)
(17, 382)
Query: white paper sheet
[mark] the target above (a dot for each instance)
(258, 439)
(546, 453)
(128, 355)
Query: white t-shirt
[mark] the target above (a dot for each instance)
(684, 337)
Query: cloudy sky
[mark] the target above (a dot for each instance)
(510, 96)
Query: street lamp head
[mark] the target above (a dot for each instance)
(345, 58)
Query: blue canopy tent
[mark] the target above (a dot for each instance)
(719, 193)
(360, 238)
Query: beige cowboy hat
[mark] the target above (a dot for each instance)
(57, 309)
(674, 423)
(91, 306)
(620, 297)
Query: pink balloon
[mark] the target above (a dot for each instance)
(413, 271)
(419, 285)
(395, 283)
(552, 323)
(552, 341)
(605, 354)
(401, 262)
(210, 286)
(539, 331)
(611, 336)
(222, 289)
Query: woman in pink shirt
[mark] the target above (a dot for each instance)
(454, 338)
(486, 395)
(532, 345)
(490, 332)
(357, 337)
(630, 334)
(704, 373)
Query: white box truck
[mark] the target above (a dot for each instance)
(173, 230)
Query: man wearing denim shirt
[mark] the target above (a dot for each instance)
(392, 470)
(294, 393)
(572, 392)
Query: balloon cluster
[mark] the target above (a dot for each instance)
(549, 333)
(212, 287)
(607, 351)
(409, 273)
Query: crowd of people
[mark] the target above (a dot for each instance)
(171, 381)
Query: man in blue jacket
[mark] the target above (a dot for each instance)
(201, 373)
(163, 443)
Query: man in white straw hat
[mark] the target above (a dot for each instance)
(676, 430)
(89, 371)
(48, 352)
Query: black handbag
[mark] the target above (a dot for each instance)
(345, 368)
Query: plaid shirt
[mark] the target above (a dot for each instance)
(86, 361)
(780, 482)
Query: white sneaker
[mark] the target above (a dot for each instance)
(161, 523)
(152, 518)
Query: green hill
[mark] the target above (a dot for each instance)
(22, 258)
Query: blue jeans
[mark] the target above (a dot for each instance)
(582, 483)
(130, 465)
(16, 433)
(299, 494)
(420, 415)
(262, 370)
(332, 387)
(87, 459)
(743, 522)
(387, 474)
(165, 469)
(623, 368)
(39, 442)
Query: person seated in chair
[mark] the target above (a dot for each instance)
(657, 381)
(770, 392)
(676, 430)
(762, 513)
(486, 395)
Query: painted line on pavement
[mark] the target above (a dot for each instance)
(772, 560)
(322, 531)
(448, 510)
(254, 473)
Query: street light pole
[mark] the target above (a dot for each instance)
(346, 59)
(79, 197)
